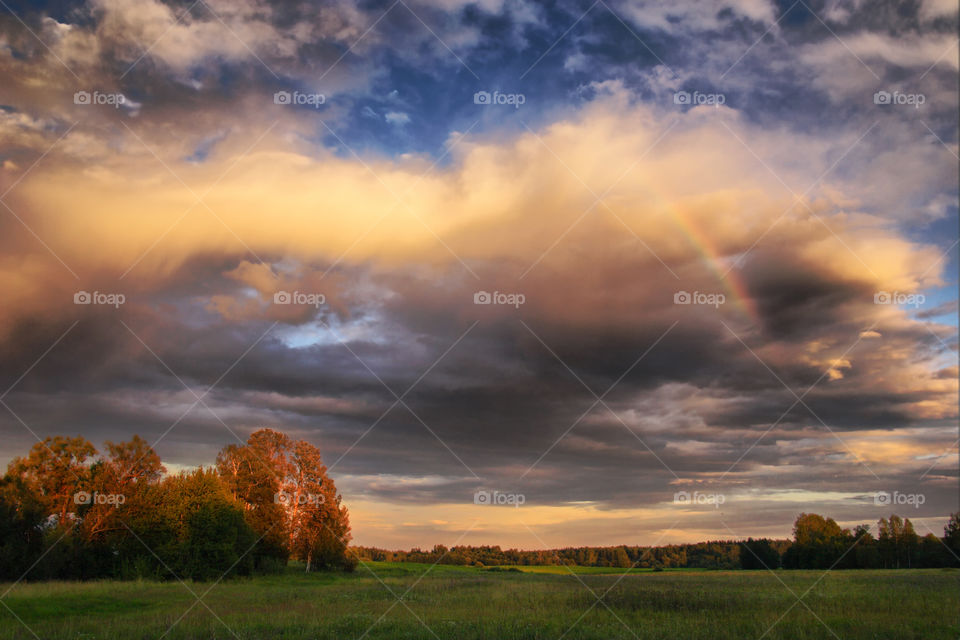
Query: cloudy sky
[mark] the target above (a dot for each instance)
(594, 255)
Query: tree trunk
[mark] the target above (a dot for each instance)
(309, 559)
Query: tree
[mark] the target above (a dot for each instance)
(256, 485)
(951, 537)
(289, 499)
(56, 469)
(898, 542)
(866, 555)
(909, 542)
(21, 528)
(819, 543)
(127, 469)
(319, 524)
(133, 462)
(932, 552)
(210, 535)
(812, 528)
(620, 558)
(67, 513)
(758, 554)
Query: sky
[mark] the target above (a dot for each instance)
(528, 274)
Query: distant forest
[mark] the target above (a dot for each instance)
(818, 543)
(70, 512)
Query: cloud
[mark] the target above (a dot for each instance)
(696, 16)
(229, 31)
(396, 118)
(933, 9)
(710, 272)
(917, 51)
(524, 206)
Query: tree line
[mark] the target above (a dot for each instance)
(68, 511)
(818, 543)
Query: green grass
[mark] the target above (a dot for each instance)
(470, 603)
(565, 571)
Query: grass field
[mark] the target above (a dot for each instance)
(466, 602)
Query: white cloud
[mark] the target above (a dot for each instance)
(696, 16)
(397, 118)
(933, 9)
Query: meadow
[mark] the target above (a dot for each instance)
(394, 600)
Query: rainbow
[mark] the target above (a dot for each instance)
(731, 280)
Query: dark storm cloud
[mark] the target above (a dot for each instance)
(498, 399)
